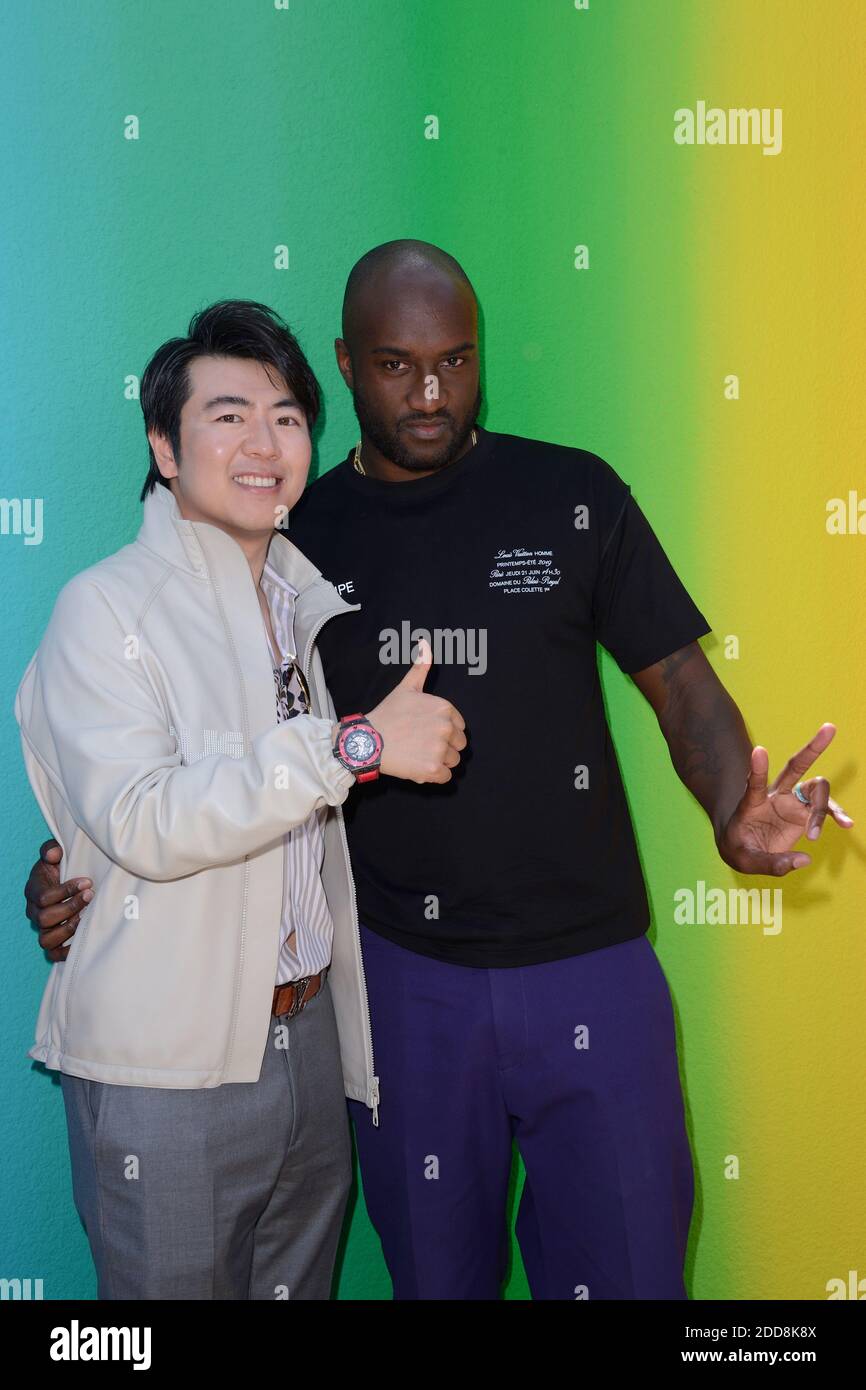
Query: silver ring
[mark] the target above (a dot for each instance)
(797, 792)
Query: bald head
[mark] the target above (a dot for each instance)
(397, 268)
(410, 356)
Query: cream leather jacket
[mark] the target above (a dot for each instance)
(149, 732)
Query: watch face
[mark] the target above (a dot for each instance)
(359, 746)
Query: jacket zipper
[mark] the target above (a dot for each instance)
(242, 951)
(368, 1045)
(74, 971)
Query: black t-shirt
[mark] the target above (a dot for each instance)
(514, 560)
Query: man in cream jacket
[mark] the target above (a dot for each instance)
(212, 1012)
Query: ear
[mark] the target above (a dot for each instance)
(344, 361)
(163, 453)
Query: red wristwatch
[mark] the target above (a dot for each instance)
(359, 747)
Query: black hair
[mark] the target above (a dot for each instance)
(230, 328)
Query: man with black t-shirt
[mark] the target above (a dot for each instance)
(513, 990)
(527, 855)
(514, 994)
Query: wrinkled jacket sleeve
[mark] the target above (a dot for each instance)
(95, 724)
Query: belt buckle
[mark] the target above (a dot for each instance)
(300, 988)
(300, 991)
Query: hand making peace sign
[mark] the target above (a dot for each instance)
(768, 821)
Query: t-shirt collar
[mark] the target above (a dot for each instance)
(415, 489)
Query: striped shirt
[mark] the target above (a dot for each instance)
(305, 907)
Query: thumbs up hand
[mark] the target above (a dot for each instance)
(422, 735)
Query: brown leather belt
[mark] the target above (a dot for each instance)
(291, 998)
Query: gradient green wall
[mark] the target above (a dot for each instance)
(304, 125)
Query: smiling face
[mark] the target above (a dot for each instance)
(411, 361)
(244, 449)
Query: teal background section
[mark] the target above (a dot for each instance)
(306, 127)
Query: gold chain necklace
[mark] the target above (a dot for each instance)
(359, 467)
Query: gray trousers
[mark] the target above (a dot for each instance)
(230, 1192)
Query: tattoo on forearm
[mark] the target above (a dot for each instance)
(707, 738)
(700, 738)
(672, 665)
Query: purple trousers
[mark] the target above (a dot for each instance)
(576, 1062)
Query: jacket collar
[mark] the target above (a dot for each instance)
(205, 552)
(183, 543)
